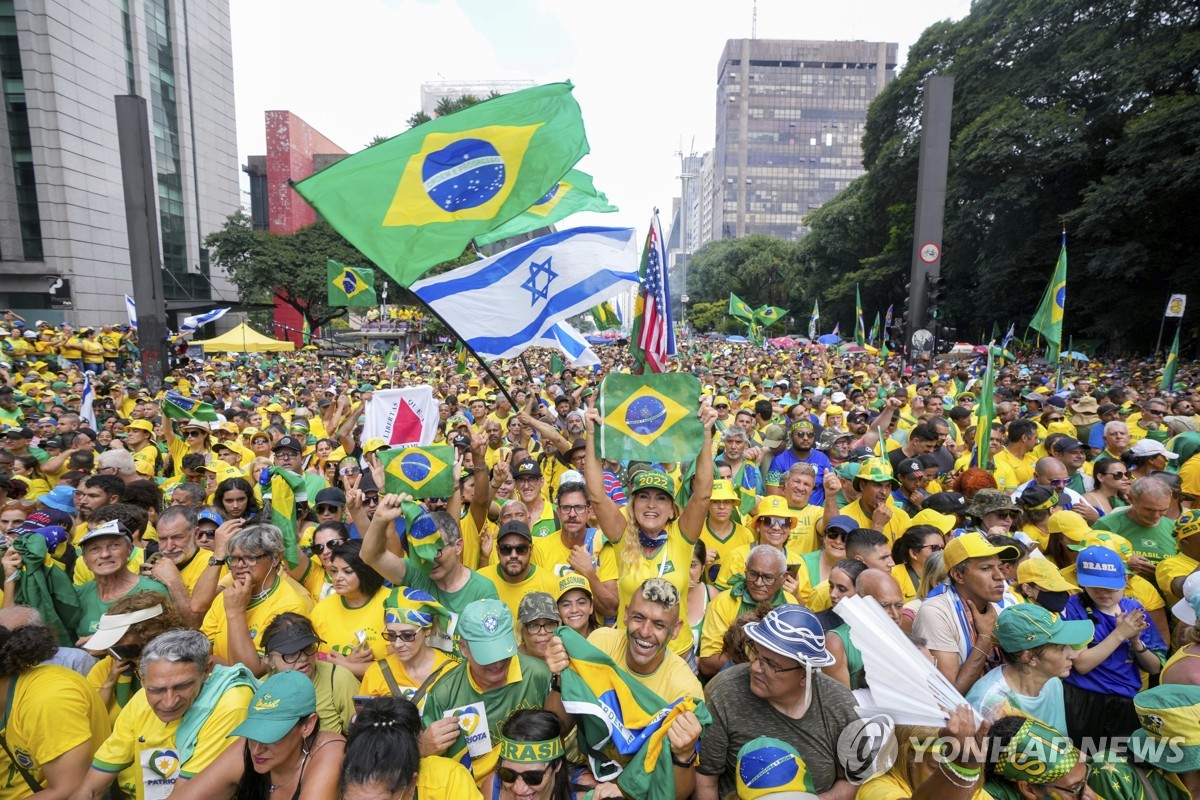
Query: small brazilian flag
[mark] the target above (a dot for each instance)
(738, 308)
(419, 198)
(460, 360)
(350, 286)
(424, 537)
(393, 359)
(650, 417)
(573, 193)
(418, 471)
(769, 315)
(605, 318)
(1167, 383)
(176, 406)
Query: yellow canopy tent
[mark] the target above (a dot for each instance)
(244, 339)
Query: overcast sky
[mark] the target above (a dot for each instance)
(645, 70)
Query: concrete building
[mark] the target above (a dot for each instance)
(62, 212)
(790, 121)
(434, 91)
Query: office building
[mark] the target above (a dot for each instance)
(790, 122)
(64, 250)
(433, 92)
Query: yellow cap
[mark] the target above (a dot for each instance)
(1069, 524)
(1042, 573)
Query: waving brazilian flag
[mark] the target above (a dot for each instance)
(176, 406)
(419, 198)
(1167, 384)
(1049, 317)
(650, 417)
(350, 286)
(738, 308)
(418, 471)
(282, 490)
(860, 328)
(621, 720)
(574, 193)
(769, 315)
(605, 318)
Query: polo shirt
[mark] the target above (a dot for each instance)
(1154, 544)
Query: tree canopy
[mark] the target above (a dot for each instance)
(1067, 113)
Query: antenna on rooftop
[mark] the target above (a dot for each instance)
(754, 21)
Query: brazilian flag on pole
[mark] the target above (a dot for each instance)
(739, 309)
(814, 320)
(985, 414)
(418, 471)
(1049, 317)
(650, 417)
(769, 315)
(605, 318)
(572, 194)
(874, 330)
(460, 360)
(1172, 365)
(350, 286)
(860, 328)
(419, 198)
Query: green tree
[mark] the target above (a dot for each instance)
(759, 269)
(447, 105)
(1066, 112)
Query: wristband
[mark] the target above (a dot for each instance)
(685, 764)
(556, 683)
(966, 773)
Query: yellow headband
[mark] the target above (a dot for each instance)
(530, 752)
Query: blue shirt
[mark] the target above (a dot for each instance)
(1119, 673)
(784, 461)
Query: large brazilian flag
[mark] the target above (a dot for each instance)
(650, 417)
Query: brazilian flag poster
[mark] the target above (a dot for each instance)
(418, 471)
(650, 417)
(350, 286)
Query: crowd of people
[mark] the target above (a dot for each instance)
(171, 629)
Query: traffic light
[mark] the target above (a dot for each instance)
(933, 297)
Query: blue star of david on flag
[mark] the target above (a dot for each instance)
(536, 269)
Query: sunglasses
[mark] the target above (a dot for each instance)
(320, 548)
(776, 522)
(403, 636)
(206, 533)
(1118, 475)
(324, 508)
(190, 434)
(835, 533)
(532, 777)
(371, 500)
(511, 549)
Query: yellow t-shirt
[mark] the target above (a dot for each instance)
(1189, 477)
(672, 680)
(339, 625)
(259, 613)
(895, 527)
(139, 733)
(739, 536)
(471, 533)
(673, 562)
(550, 554)
(443, 777)
(890, 786)
(721, 612)
(1010, 471)
(374, 684)
(190, 573)
(538, 580)
(315, 580)
(96, 677)
(1177, 566)
(145, 459)
(53, 710)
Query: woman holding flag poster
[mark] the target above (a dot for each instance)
(655, 538)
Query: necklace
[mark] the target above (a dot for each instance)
(272, 787)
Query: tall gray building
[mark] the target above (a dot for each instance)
(790, 121)
(62, 212)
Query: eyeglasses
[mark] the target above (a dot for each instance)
(328, 509)
(1059, 482)
(532, 777)
(320, 548)
(933, 548)
(572, 510)
(753, 654)
(776, 522)
(292, 658)
(1076, 791)
(541, 627)
(245, 561)
(403, 636)
(765, 578)
(511, 549)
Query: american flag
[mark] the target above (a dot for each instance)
(653, 330)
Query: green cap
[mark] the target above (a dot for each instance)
(1026, 626)
(652, 479)
(283, 700)
(487, 627)
(1037, 754)
(876, 470)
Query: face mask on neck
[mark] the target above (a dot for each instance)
(1053, 602)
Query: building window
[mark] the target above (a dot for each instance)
(20, 142)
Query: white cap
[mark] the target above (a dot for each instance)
(30, 334)
(571, 476)
(838, 397)
(1183, 610)
(1149, 447)
(112, 627)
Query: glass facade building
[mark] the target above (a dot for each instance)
(790, 121)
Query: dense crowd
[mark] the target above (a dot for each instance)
(170, 627)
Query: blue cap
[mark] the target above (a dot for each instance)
(1100, 567)
(208, 515)
(843, 523)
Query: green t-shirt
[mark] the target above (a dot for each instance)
(477, 587)
(1153, 544)
(93, 607)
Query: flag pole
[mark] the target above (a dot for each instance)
(466, 346)
(1162, 323)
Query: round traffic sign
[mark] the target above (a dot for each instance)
(930, 252)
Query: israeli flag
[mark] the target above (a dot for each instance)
(131, 310)
(192, 324)
(570, 342)
(504, 304)
(87, 411)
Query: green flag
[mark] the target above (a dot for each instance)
(418, 471)
(556, 363)
(995, 331)
(393, 359)
(350, 286)
(1172, 365)
(460, 360)
(419, 198)
(280, 496)
(754, 333)
(739, 309)
(874, 330)
(572, 194)
(769, 315)
(985, 414)
(860, 328)
(650, 417)
(1049, 317)
(605, 317)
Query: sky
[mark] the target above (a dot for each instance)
(645, 72)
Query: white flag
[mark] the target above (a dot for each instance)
(131, 311)
(401, 416)
(1176, 305)
(87, 412)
